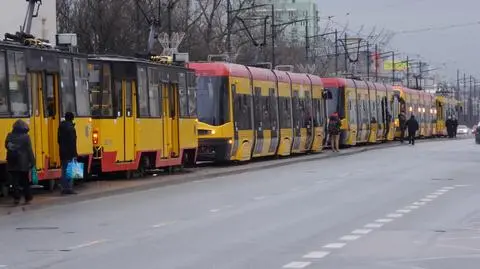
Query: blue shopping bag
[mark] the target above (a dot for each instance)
(34, 176)
(74, 170)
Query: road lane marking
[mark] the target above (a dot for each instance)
(462, 185)
(163, 224)
(89, 244)
(316, 255)
(404, 211)
(297, 265)
(349, 237)
(448, 188)
(394, 215)
(258, 198)
(374, 225)
(442, 190)
(413, 207)
(419, 203)
(438, 193)
(426, 200)
(384, 220)
(335, 245)
(431, 196)
(3, 266)
(215, 210)
(362, 231)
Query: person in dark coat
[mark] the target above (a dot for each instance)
(449, 126)
(20, 161)
(402, 120)
(67, 141)
(455, 126)
(412, 126)
(334, 131)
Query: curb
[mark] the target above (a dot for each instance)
(180, 179)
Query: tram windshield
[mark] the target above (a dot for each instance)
(213, 100)
(335, 103)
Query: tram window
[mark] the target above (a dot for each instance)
(182, 92)
(273, 108)
(80, 74)
(128, 99)
(192, 95)
(118, 98)
(154, 97)
(66, 86)
(17, 84)
(106, 97)
(285, 112)
(142, 98)
(3, 86)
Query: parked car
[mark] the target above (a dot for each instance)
(477, 135)
(462, 130)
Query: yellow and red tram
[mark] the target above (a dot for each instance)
(143, 114)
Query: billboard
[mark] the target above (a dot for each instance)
(399, 66)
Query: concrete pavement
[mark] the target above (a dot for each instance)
(401, 207)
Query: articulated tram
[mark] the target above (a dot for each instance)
(38, 84)
(144, 114)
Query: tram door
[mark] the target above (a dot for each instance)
(125, 122)
(170, 121)
(174, 119)
(35, 84)
(52, 118)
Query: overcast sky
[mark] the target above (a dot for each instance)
(456, 47)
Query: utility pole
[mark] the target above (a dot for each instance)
(346, 54)
(229, 27)
(420, 75)
(393, 67)
(368, 60)
(408, 73)
(376, 62)
(170, 7)
(464, 95)
(336, 52)
(457, 92)
(273, 36)
(306, 39)
(470, 112)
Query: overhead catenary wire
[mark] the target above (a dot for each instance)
(438, 28)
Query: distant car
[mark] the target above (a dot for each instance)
(462, 130)
(477, 135)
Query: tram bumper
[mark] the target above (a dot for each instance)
(214, 149)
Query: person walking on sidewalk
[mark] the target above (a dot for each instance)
(20, 161)
(412, 126)
(334, 131)
(67, 141)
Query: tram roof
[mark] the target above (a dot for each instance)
(219, 69)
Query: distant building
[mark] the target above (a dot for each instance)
(291, 10)
(12, 15)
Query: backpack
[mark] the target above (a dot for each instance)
(333, 126)
(13, 154)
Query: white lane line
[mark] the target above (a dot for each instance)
(404, 211)
(362, 231)
(442, 190)
(462, 185)
(426, 200)
(335, 245)
(412, 207)
(374, 225)
(89, 244)
(258, 198)
(3, 266)
(394, 215)
(215, 210)
(419, 203)
(163, 224)
(448, 188)
(316, 255)
(438, 193)
(349, 237)
(432, 196)
(384, 220)
(297, 265)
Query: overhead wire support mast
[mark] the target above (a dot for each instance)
(32, 12)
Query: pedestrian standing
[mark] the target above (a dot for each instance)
(455, 126)
(402, 122)
(334, 131)
(20, 161)
(449, 126)
(412, 126)
(67, 141)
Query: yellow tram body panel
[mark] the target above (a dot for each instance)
(285, 114)
(246, 136)
(318, 114)
(301, 96)
(349, 123)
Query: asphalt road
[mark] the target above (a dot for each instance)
(400, 208)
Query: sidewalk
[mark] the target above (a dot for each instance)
(103, 188)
